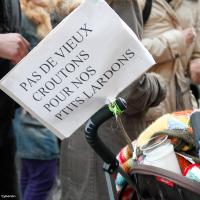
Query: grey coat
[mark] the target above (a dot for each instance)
(82, 177)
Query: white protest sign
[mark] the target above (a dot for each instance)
(90, 56)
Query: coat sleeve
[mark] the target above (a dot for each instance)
(166, 46)
(145, 92)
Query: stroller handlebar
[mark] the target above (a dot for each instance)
(91, 132)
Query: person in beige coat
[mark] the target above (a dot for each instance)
(171, 36)
(195, 65)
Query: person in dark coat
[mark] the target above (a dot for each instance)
(82, 177)
(13, 47)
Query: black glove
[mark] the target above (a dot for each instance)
(147, 91)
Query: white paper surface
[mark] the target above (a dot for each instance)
(87, 58)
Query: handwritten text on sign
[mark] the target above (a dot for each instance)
(84, 60)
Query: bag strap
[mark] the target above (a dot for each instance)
(147, 10)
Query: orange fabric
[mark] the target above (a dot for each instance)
(183, 163)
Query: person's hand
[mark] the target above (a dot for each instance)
(13, 47)
(195, 71)
(189, 35)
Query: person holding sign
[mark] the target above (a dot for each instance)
(82, 177)
(13, 47)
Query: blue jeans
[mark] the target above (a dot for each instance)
(37, 178)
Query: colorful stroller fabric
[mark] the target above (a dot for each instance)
(126, 162)
(176, 125)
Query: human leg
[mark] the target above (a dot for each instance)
(41, 179)
(24, 176)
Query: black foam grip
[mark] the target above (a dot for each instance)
(91, 132)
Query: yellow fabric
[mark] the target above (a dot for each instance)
(163, 123)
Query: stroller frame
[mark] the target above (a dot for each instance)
(143, 177)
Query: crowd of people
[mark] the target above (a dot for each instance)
(169, 29)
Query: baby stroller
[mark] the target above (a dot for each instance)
(148, 182)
